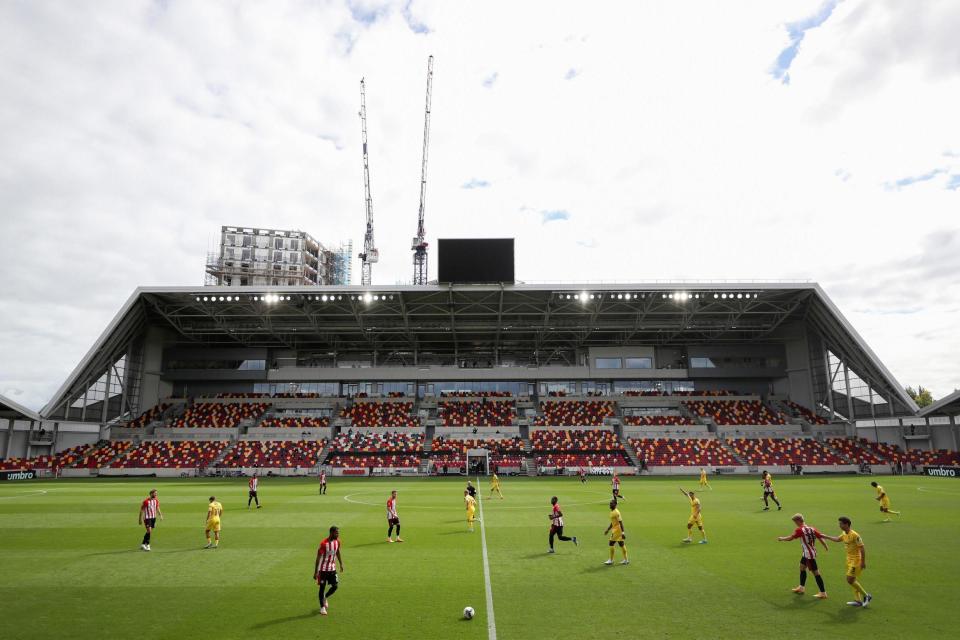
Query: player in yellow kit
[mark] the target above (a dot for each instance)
(884, 500)
(495, 486)
(214, 511)
(856, 561)
(471, 504)
(703, 479)
(617, 534)
(696, 517)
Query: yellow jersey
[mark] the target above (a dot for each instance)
(694, 506)
(495, 481)
(853, 543)
(703, 475)
(880, 491)
(471, 503)
(615, 519)
(214, 510)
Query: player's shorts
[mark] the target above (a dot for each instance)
(213, 524)
(554, 529)
(809, 563)
(471, 513)
(616, 536)
(150, 522)
(253, 494)
(884, 504)
(330, 577)
(853, 569)
(393, 521)
(695, 521)
(768, 492)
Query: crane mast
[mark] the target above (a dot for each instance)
(419, 243)
(370, 253)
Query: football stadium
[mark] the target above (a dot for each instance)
(293, 448)
(251, 396)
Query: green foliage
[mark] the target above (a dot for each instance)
(72, 567)
(921, 396)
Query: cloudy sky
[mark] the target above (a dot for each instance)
(801, 140)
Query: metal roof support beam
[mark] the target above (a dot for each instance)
(106, 399)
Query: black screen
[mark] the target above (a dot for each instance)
(475, 260)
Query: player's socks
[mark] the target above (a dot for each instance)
(626, 560)
(819, 580)
(858, 590)
(803, 577)
(611, 554)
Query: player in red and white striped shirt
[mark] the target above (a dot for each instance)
(393, 520)
(149, 512)
(808, 542)
(556, 525)
(325, 568)
(253, 483)
(323, 481)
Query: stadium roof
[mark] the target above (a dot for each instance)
(10, 409)
(465, 319)
(946, 406)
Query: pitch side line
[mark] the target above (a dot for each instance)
(491, 620)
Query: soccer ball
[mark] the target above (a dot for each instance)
(468, 613)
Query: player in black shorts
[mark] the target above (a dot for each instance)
(556, 525)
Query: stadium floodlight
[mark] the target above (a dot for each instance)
(339, 297)
(229, 298)
(324, 298)
(368, 298)
(583, 296)
(739, 296)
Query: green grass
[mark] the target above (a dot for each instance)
(72, 568)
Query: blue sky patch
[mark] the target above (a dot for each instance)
(909, 180)
(416, 25)
(571, 74)
(554, 214)
(475, 183)
(797, 30)
(490, 79)
(953, 183)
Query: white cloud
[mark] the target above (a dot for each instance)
(132, 132)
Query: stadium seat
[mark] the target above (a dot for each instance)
(380, 414)
(274, 453)
(295, 423)
(694, 452)
(574, 413)
(655, 420)
(163, 454)
(215, 415)
(482, 413)
(735, 412)
(768, 451)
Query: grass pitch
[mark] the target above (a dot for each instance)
(70, 558)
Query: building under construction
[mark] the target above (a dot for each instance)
(251, 257)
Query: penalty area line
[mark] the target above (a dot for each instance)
(491, 619)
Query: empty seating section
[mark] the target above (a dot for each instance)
(215, 415)
(658, 420)
(735, 412)
(101, 456)
(380, 414)
(593, 448)
(66, 458)
(482, 413)
(274, 453)
(574, 413)
(376, 450)
(691, 452)
(802, 412)
(451, 452)
(854, 451)
(300, 422)
(706, 393)
(767, 451)
(147, 417)
(164, 454)
(938, 456)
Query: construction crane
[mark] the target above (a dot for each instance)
(370, 253)
(419, 243)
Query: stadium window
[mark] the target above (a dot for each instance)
(702, 363)
(278, 243)
(638, 363)
(609, 363)
(278, 256)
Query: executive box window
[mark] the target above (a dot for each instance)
(235, 365)
(638, 363)
(609, 363)
(702, 363)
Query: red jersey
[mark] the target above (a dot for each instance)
(808, 540)
(391, 508)
(149, 508)
(556, 516)
(616, 482)
(323, 477)
(253, 482)
(767, 486)
(328, 554)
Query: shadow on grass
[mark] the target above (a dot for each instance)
(271, 623)
(116, 553)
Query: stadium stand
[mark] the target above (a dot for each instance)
(476, 394)
(574, 413)
(390, 449)
(162, 454)
(215, 415)
(147, 416)
(66, 458)
(588, 448)
(655, 420)
(452, 452)
(101, 455)
(735, 412)
(274, 453)
(705, 393)
(854, 451)
(380, 414)
(768, 451)
(301, 422)
(802, 412)
(693, 452)
(493, 413)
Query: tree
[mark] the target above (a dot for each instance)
(921, 396)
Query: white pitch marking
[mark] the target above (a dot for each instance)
(926, 490)
(491, 620)
(24, 494)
